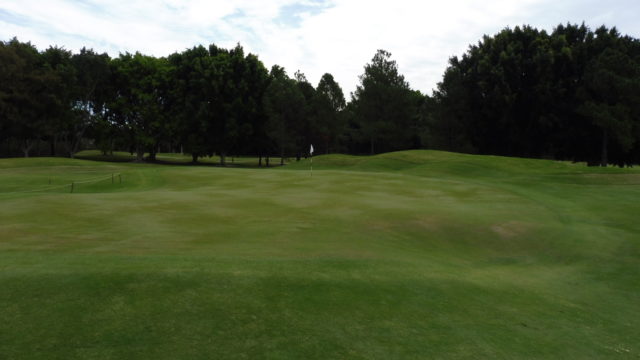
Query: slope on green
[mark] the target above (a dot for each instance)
(418, 254)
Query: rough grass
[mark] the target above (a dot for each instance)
(415, 254)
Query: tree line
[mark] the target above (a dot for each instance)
(572, 94)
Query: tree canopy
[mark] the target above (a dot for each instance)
(571, 94)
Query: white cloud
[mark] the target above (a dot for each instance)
(337, 36)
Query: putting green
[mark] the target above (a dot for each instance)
(417, 254)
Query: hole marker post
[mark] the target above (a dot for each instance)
(311, 155)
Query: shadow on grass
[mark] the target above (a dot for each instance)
(125, 158)
(105, 158)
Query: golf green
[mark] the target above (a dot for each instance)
(407, 255)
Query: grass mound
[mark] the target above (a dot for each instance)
(418, 254)
(440, 163)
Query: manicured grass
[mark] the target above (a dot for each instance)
(418, 254)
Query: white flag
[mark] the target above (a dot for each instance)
(311, 150)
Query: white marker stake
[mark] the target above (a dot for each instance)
(311, 153)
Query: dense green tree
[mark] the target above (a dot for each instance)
(525, 92)
(218, 97)
(610, 93)
(305, 127)
(570, 94)
(255, 119)
(242, 82)
(496, 92)
(92, 79)
(62, 84)
(329, 104)
(384, 105)
(141, 92)
(284, 105)
(26, 93)
(193, 89)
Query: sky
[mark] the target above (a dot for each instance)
(313, 36)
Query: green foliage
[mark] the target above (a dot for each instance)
(27, 89)
(329, 120)
(142, 87)
(285, 106)
(217, 100)
(384, 106)
(570, 95)
(91, 91)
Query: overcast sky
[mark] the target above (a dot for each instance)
(314, 36)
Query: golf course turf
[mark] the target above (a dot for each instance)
(406, 255)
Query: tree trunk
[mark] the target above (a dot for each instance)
(26, 148)
(259, 160)
(140, 154)
(77, 140)
(222, 159)
(153, 152)
(282, 156)
(298, 157)
(73, 147)
(267, 160)
(194, 158)
(54, 141)
(604, 159)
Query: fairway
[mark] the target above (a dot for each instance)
(406, 255)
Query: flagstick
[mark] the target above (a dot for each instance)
(311, 155)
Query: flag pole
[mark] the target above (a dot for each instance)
(311, 154)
